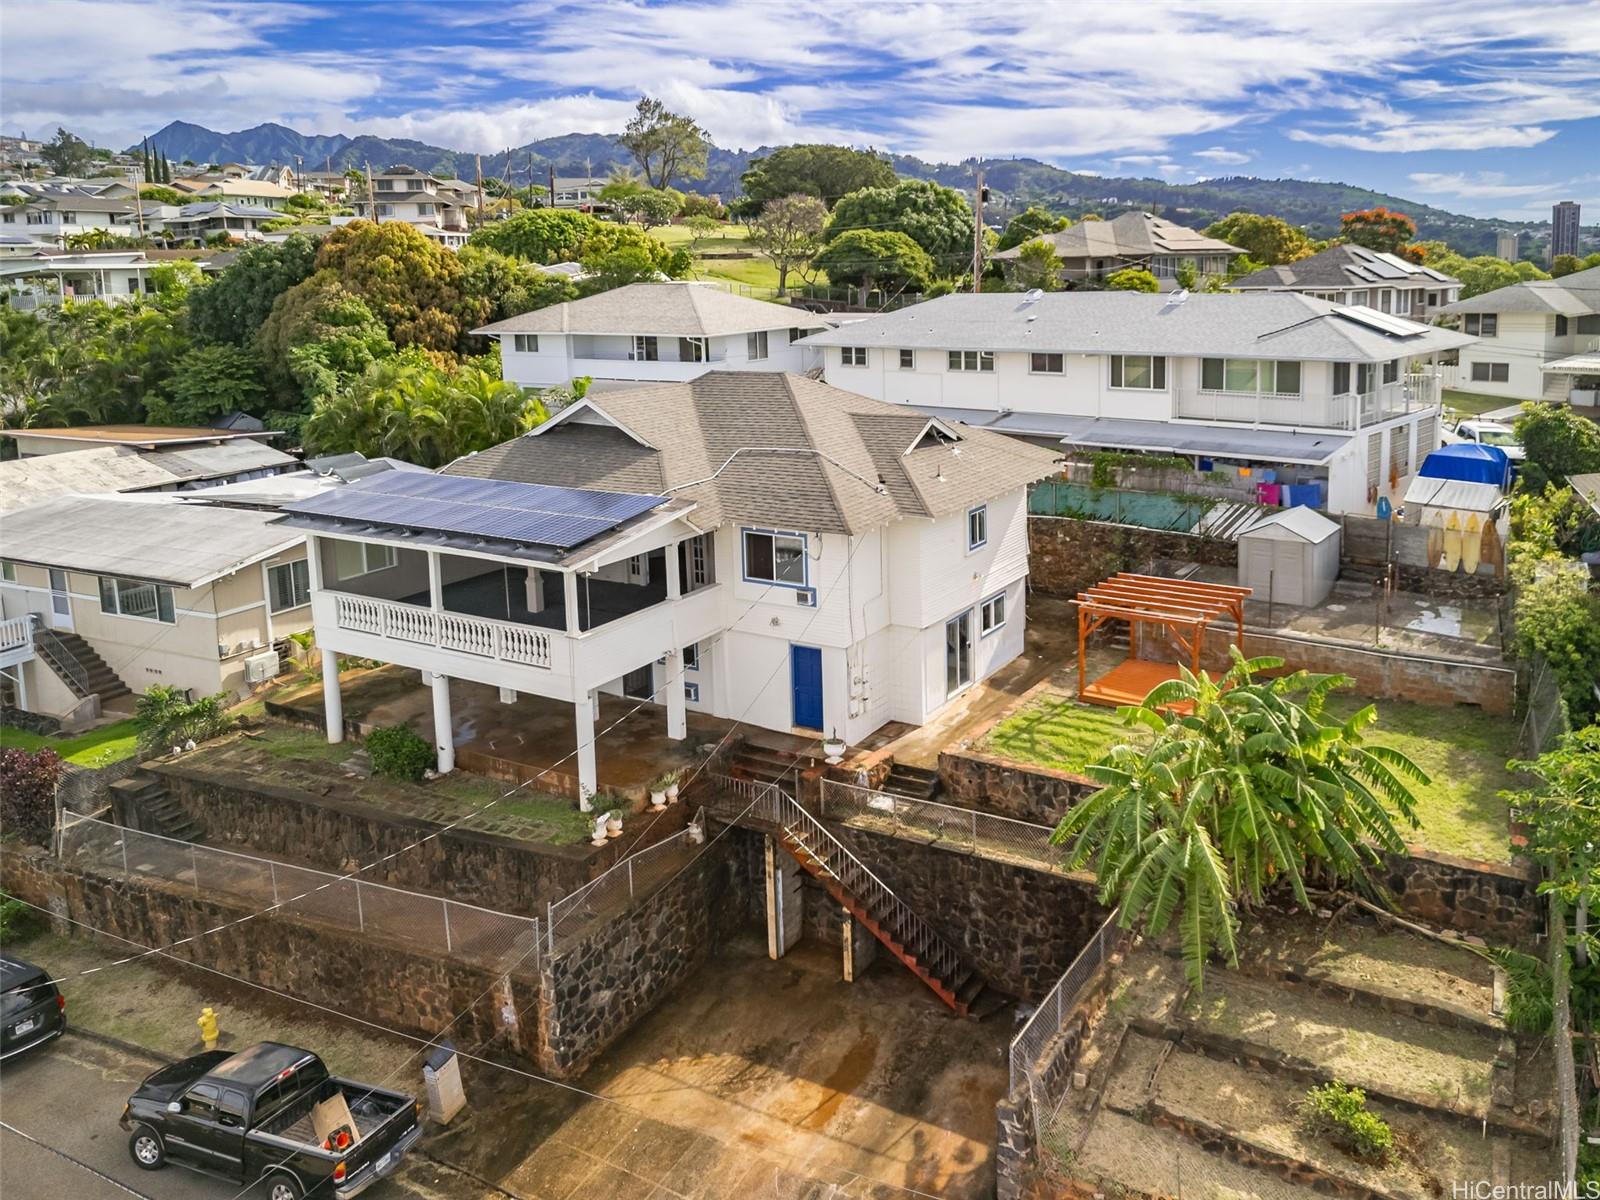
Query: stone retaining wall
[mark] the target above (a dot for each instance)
(364, 975)
(1495, 901)
(998, 785)
(1067, 555)
(598, 987)
(84, 789)
(328, 832)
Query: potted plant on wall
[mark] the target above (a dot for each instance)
(672, 779)
(833, 747)
(614, 823)
(598, 837)
(658, 792)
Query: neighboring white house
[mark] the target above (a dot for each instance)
(54, 218)
(46, 277)
(1538, 340)
(197, 222)
(757, 546)
(437, 207)
(652, 332)
(1315, 392)
(1355, 275)
(248, 193)
(1094, 250)
(104, 596)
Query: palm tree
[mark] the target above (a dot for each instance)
(1248, 790)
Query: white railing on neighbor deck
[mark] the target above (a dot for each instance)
(1347, 410)
(483, 636)
(16, 633)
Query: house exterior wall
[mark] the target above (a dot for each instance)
(562, 357)
(1524, 342)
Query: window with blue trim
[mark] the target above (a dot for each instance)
(977, 527)
(992, 614)
(691, 692)
(691, 657)
(775, 557)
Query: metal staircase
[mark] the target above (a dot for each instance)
(861, 893)
(78, 666)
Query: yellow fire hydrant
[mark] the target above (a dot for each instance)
(208, 1027)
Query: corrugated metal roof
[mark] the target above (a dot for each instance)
(1454, 493)
(120, 468)
(1169, 437)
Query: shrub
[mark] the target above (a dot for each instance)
(1337, 1111)
(28, 781)
(17, 920)
(398, 753)
(166, 718)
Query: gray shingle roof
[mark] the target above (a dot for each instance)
(26, 481)
(1250, 325)
(1574, 295)
(1343, 267)
(1132, 235)
(156, 538)
(668, 309)
(721, 441)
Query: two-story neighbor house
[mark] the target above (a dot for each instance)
(1538, 340)
(1356, 275)
(758, 546)
(1093, 250)
(1316, 392)
(406, 194)
(652, 333)
(104, 596)
(55, 217)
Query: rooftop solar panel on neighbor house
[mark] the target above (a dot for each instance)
(1383, 322)
(532, 513)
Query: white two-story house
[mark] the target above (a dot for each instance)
(1538, 340)
(406, 194)
(652, 333)
(757, 546)
(1355, 275)
(1314, 392)
(54, 218)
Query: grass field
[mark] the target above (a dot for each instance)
(1473, 404)
(97, 748)
(1462, 750)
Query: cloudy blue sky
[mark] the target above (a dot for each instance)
(1486, 108)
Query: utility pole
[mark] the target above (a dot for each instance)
(977, 236)
(552, 186)
(478, 158)
(372, 196)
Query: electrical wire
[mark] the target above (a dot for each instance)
(77, 1162)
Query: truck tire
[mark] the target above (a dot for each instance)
(283, 1186)
(146, 1149)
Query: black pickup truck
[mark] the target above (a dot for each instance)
(247, 1117)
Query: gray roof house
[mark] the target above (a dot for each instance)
(1538, 340)
(1255, 379)
(1355, 275)
(757, 546)
(118, 468)
(1093, 250)
(652, 333)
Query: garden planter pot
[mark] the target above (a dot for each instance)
(658, 799)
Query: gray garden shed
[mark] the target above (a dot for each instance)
(1291, 556)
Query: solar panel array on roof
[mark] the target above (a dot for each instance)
(1382, 322)
(532, 513)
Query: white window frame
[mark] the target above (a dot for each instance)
(852, 356)
(299, 582)
(1483, 325)
(691, 657)
(1118, 365)
(970, 360)
(525, 343)
(908, 360)
(694, 349)
(755, 345)
(1060, 367)
(386, 557)
(776, 535)
(111, 587)
(691, 691)
(977, 527)
(8, 570)
(992, 615)
(646, 348)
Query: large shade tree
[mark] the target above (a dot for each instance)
(233, 307)
(935, 217)
(789, 232)
(1269, 240)
(870, 258)
(828, 173)
(1251, 790)
(665, 144)
(1031, 223)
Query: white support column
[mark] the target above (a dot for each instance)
(435, 583)
(588, 773)
(534, 591)
(674, 576)
(266, 600)
(332, 702)
(443, 726)
(677, 706)
(569, 595)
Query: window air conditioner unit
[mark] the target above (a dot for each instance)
(259, 668)
(806, 597)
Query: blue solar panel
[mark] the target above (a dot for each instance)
(533, 513)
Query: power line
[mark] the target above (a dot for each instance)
(77, 1162)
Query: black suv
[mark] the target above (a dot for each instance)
(32, 1009)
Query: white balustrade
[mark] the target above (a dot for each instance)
(16, 632)
(448, 631)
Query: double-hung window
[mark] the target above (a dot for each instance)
(289, 585)
(361, 558)
(972, 360)
(977, 527)
(755, 345)
(1138, 371)
(1561, 326)
(852, 356)
(1391, 371)
(1047, 364)
(1363, 378)
(991, 614)
(137, 598)
(525, 343)
(1491, 372)
(1481, 324)
(771, 556)
(908, 360)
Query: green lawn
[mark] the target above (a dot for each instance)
(97, 748)
(1473, 404)
(1462, 750)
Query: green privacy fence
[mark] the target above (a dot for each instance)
(1151, 510)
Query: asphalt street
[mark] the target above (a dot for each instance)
(69, 1094)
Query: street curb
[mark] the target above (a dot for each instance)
(106, 1039)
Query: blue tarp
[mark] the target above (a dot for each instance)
(1470, 462)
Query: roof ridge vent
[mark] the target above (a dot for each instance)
(1033, 296)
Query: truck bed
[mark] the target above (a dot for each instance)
(368, 1111)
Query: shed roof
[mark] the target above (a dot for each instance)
(1299, 523)
(1454, 493)
(26, 481)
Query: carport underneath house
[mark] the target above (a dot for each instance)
(555, 592)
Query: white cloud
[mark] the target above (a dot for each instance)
(1483, 184)
(1217, 154)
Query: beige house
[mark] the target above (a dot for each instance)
(104, 596)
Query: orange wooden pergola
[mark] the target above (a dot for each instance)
(1184, 607)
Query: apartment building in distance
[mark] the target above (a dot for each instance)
(1564, 228)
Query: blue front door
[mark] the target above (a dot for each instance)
(805, 672)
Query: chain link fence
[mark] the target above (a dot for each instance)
(986, 835)
(574, 915)
(1028, 1049)
(1546, 719)
(431, 924)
